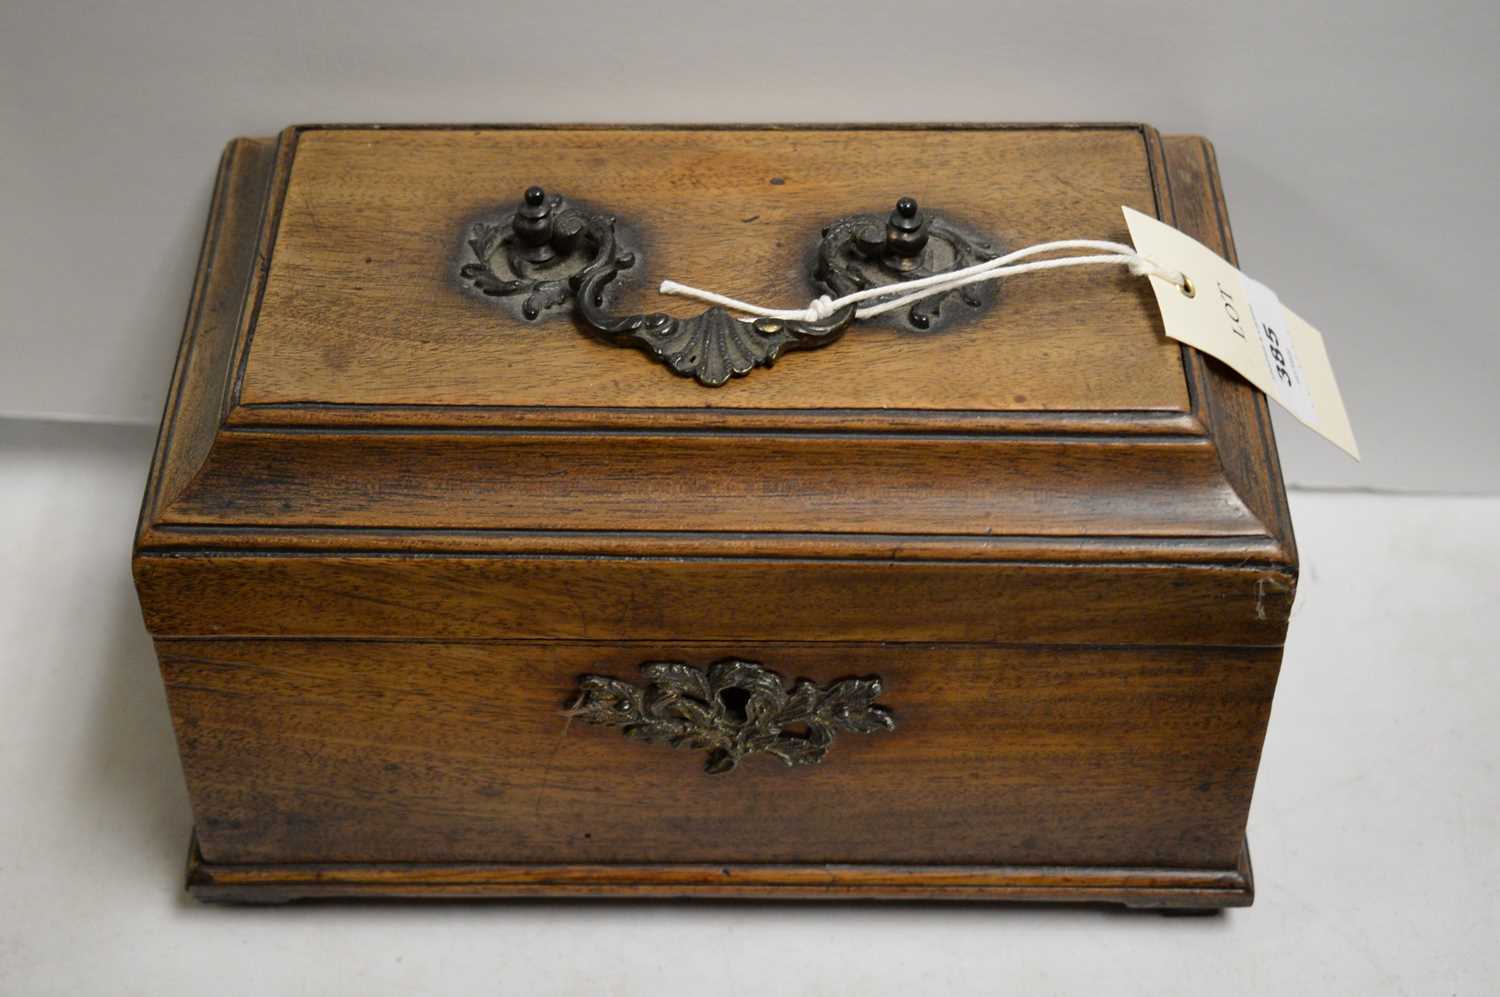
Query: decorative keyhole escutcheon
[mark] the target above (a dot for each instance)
(733, 709)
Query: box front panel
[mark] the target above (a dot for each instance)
(382, 751)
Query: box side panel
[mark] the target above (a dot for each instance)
(334, 751)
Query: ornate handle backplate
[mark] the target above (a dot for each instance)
(554, 253)
(711, 347)
(733, 709)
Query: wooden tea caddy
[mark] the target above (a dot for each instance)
(985, 601)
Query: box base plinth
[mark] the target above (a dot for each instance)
(1169, 890)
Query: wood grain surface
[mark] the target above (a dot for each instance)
(334, 751)
(362, 305)
(606, 598)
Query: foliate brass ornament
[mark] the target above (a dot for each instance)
(711, 347)
(733, 709)
(540, 248)
(865, 251)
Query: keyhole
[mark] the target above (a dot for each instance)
(736, 702)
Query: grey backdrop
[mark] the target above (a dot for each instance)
(1358, 143)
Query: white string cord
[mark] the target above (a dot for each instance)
(910, 291)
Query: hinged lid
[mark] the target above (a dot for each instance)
(348, 393)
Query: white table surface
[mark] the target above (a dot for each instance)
(1375, 830)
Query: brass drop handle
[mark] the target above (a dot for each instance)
(555, 253)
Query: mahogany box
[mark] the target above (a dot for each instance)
(477, 567)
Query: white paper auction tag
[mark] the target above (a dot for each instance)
(1241, 322)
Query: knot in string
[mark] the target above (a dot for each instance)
(820, 309)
